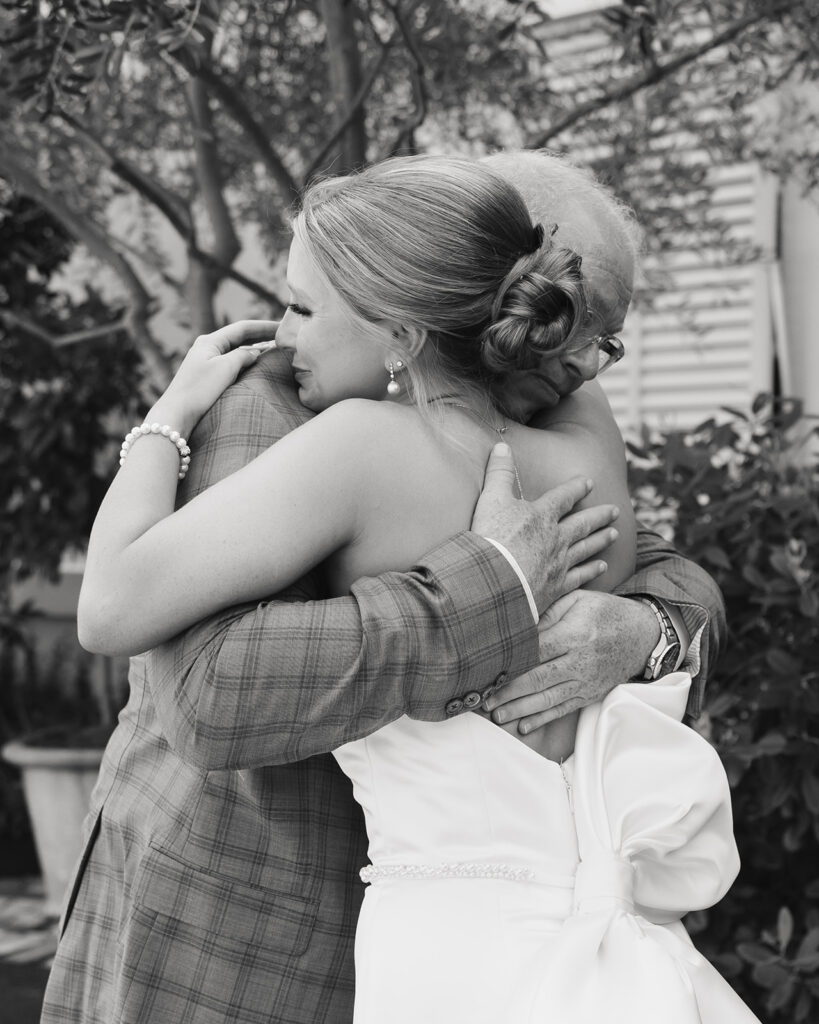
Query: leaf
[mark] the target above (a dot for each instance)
(86, 53)
(716, 556)
(782, 662)
(809, 604)
(784, 928)
(808, 963)
(738, 413)
(755, 953)
(803, 1005)
(754, 577)
(721, 704)
(771, 975)
(782, 993)
(810, 791)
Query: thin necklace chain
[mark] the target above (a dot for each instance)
(499, 430)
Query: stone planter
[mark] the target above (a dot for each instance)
(57, 783)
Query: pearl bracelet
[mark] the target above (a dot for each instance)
(172, 435)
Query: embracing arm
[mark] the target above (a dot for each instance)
(284, 680)
(287, 678)
(294, 676)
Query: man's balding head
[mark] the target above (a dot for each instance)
(590, 220)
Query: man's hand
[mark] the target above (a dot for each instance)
(589, 643)
(551, 544)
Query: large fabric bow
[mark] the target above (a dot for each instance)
(655, 836)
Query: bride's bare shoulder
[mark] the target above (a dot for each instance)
(386, 427)
(389, 446)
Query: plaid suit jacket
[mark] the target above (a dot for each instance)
(219, 881)
(208, 894)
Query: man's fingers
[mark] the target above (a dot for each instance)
(554, 613)
(532, 684)
(565, 496)
(580, 575)
(521, 708)
(587, 521)
(594, 544)
(532, 722)
(499, 479)
(538, 700)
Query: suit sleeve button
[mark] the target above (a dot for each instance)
(472, 700)
(454, 707)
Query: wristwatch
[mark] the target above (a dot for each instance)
(664, 657)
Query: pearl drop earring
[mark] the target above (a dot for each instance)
(393, 387)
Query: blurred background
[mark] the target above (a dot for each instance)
(150, 151)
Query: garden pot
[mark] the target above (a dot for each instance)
(57, 783)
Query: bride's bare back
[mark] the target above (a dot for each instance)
(424, 479)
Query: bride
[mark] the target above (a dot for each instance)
(513, 879)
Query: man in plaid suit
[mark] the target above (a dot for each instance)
(220, 877)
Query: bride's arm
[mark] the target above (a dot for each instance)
(243, 539)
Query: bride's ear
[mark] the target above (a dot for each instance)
(409, 340)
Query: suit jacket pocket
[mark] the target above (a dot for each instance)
(228, 911)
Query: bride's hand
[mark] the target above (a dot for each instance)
(212, 364)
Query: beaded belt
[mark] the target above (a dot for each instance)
(460, 869)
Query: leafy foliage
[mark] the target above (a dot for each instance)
(55, 403)
(209, 115)
(741, 498)
(59, 411)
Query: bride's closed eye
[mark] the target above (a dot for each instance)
(294, 307)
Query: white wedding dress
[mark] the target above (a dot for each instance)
(509, 889)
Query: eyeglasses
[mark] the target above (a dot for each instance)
(610, 350)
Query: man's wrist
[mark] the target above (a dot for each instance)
(668, 653)
(510, 558)
(642, 637)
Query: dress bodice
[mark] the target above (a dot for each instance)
(460, 791)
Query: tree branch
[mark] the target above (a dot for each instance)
(419, 88)
(233, 104)
(169, 205)
(344, 62)
(14, 319)
(246, 282)
(207, 169)
(355, 106)
(86, 231)
(658, 72)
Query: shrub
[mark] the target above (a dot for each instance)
(740, 496)
(62, 410)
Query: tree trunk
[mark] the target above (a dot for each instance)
(203, 278)
(344, 61)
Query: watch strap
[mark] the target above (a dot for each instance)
(664, 656)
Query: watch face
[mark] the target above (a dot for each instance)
(668, 660)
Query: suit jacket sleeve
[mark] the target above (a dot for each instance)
(288, 678)
(664, 573)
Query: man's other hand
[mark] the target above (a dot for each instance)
(590, 642)
(554, 546)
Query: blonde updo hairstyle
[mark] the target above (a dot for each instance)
(445, 248)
